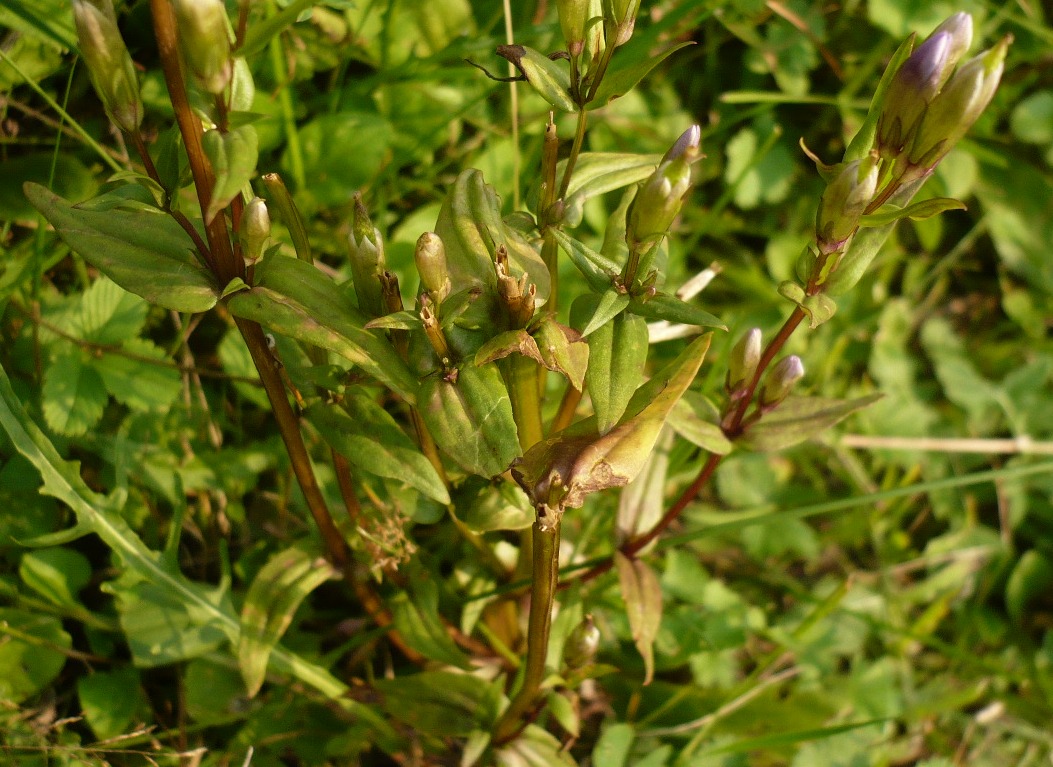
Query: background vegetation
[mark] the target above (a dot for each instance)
(846, 602)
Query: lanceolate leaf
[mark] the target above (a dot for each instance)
(672, 309)
(617, 357)
(417, 619)
(293, 298)
(915, 211)
(642, 594)
(798, 419)
(598, 270)
(371, 440)
(273, 598)
(632, 64)
(233, 157)
(145, 253)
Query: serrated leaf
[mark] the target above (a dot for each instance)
(634, 62)
(598, 270)
(372, 441)
(642, 594)
(441, 703)
(417, 619)
(147, 254)
(917, 211)
(471, 419)
(136, 382)
(74, 395)
(672, 309)
(233, 156)
(274, 596)
(799, 418)
(293, 298)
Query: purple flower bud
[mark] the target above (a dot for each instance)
(780, 380)
(843, 203)
(958, 105)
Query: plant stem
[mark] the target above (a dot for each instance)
(526, 401)
(545, 536)
(575, 150)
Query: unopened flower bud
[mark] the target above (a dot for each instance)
(780, 380)
(430, 257)
(659, 198)
(582, 644)
(621, 18)
(919, 79)
(742, 364)
(366, 250)
(572, 17)
(109, 63)
(205, 43)
(255, 229)
(843, 203)
(962, 100)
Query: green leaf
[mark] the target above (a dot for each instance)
(137, 383)
(818, 308)
(634, 62)
(1031, 579)
(67, 175)
(74, 395)
(30, 653)
(917, 211)
(612, 747)
(590, 311)
(1032, 118)
(233, 156)
(48, 19)
(274, 596)
(263, 31)
(110, 700)
(799, 418)
(534, 747)
(148, 254)
(498, 507)
(471, 419)
(563, 351)
(416, 616)
(108, 314)
(372, 441)
(642, 594)
(671, 309)
(695, 419)
(441, 703)
(57, 574)
(597, 173)
(598, 270)
(215, 693)
(293, 298)
(342, 151)
(617, 358)
(101, 515)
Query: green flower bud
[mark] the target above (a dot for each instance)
(843, 203)
(205, 43)
(958, 105)
(780, 381)
(742, 364)
(919, 80)
(255, 229)
(659, 198)
(582, 644)
(572, 17)
(620, 16)
(109, 64)
(430, 257)
(366, 250)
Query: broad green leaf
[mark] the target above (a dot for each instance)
(534, 747)
(102, 516)
(108, 314)
(551, 79)
(215, 693)
(915, 211)
(274, 596)
(148, 254)
(671, 309)
(342, 151)
(74, 395)
(642, 594)
(634, 62)
(563, 351)
(30, 653)
(617, 358)
(499, 507)
(578, 461)
(416, 616)
(134, 382)
(799, 418)
(612, 747)
(471, 419)
(695, 419)
(471, 228)
(293, 298)
(1032, 118)
(371, 440)
(48, 19)
(564, 712)
(1031, 579)
(598, 270)
(110, 700)
(57, 574)
(441, 703)
(597, 173)
(69, 177)
(233, 156)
